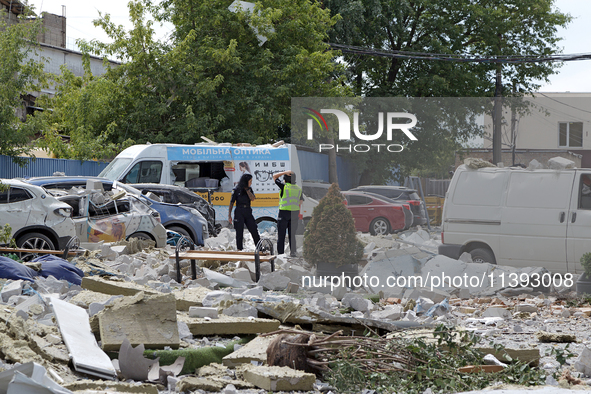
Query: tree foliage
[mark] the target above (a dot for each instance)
(211, 79)
(20, 74)
(491, 28)
(330, 235)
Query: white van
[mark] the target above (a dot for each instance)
(520, 218)
(211, 168)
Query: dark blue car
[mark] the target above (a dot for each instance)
(185, 220)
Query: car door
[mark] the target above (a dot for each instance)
(578, 234)
(534, 220)
(15, 208)
(361, 210)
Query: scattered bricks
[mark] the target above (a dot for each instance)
(196, 311)
(393, 300)
(529, 308)
(142, 319)
(293, 287)
(483, 300)
(11, 289)
(229, 325)
(255, 350)
(190, 297)
(278, 378)
(583, 363)
(113, 287)
(546, 337)
(275, 281)
(495, 311)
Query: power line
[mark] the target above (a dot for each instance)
(460, 58)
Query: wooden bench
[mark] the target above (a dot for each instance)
(193, 255)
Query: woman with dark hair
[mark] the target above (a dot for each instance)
(242, 196)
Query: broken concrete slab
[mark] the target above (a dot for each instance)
(242, 274)
(101, 386)
(391, 312)
(86, 355)
(255, 350)
(143, 319)
(192, 296)
(529, 356)
(11, 288)
(214, 298)
(196, 311)
(278, 378)
(495, 311)
(229, 325)
(274, 281)
(114, 287)
(191, 384)
(241, 309)
(583, 362)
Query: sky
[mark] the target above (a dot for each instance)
(572, 77)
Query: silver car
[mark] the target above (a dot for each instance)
(102, 216)
(38, 220)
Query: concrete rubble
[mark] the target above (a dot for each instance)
(130, 299)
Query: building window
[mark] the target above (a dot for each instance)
(570, 134)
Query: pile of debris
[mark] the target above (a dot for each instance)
(199, 333)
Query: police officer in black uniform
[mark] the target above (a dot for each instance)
(242, 196)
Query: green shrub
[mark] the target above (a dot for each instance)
(330, 235)
(586, 263)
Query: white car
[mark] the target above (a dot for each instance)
(38, 220)
(100, 218)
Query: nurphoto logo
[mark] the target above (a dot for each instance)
(344, 134)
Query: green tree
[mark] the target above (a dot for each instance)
(19, 75)
(213, 78)
(491, 28)
(330, 235)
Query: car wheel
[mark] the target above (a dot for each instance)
(482, 255)
(33, 241)
(181, 231)
(379, 226)
(141, 235)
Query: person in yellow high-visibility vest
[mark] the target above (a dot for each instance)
(290, 200)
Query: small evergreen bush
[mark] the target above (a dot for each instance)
(586, 263)
(330, 235)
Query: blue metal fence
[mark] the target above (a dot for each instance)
(314, 166)
(46, 167)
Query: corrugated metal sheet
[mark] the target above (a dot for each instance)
(314, 166)
(46, 167)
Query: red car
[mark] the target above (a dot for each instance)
(373, 214)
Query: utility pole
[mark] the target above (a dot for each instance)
(498, 111)
(497, 117)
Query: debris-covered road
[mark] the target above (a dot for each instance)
(87, 331)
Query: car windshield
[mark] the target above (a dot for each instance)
(114, 170)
